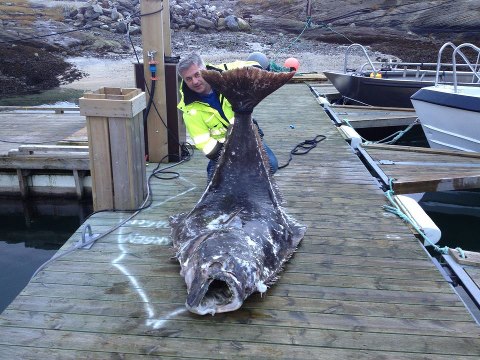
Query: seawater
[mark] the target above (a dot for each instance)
(31, 233)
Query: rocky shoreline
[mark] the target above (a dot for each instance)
(221, 31)
(121, 16)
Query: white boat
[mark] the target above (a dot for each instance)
(450, 114)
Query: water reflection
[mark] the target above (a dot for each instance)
(31, 233)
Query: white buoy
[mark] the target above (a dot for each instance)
(415, 212)
(349, 133)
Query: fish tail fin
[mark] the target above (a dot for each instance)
(245, 87)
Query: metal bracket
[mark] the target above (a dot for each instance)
(87, 240)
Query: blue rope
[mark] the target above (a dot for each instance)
(307, 25)
(461, 252)
(396, 136)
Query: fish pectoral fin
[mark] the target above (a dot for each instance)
(232, 216)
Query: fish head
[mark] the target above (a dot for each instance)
(221, 274)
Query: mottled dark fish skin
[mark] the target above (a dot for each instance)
(237, 238)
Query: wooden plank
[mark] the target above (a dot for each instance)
(471, 257)
(112, 108)
(366, 117)
(120, 158)
(167, 37)
(336, 306)
(94, 96)
(302, 77)
(406, 149)
(23, 183)
(51, 148)
(52, 109)
(100, 163)
(79, 188)
(45, 163)
(474, 273)
(372, 108)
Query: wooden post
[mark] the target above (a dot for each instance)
(153, 42)
(116, 147)
(167, 35)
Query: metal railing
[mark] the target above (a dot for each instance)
(419, 69)
(473, 68)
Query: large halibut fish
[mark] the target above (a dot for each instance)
(237, 238)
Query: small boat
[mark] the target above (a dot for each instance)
(391, 84)
(450, 114)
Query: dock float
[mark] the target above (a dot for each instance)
(360, 285)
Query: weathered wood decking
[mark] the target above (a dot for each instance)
(28, 126)
(423, 169)
(359, 286)
(36, 143)
(360, 117)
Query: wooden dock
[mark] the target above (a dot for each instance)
(360, 117)
(41, 149)
(31, 125)
(417, 169)
(360, 285)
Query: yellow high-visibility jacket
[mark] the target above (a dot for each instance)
(205, 125)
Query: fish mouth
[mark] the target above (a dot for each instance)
(219, 293)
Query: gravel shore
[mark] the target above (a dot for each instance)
(117, 70)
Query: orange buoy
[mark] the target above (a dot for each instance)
(292, 63)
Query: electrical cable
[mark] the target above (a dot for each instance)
(145, 116)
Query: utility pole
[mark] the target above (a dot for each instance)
(309, 8)
(153, 24)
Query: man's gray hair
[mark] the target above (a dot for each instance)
(189, 60)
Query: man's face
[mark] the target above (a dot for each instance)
(194, 80)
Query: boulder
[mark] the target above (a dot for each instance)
(204, 23)
(231, 22)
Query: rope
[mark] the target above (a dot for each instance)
(303, 148)
(394, 137)
(308, 23)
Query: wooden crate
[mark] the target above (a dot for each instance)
(116, 147)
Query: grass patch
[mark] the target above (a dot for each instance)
(25, 13)
(45, 97)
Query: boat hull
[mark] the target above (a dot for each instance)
(388, 92)
(449, 120)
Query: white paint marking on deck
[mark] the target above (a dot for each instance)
(138, 239)
(158, 323)
(161, 224)
(151, 321)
